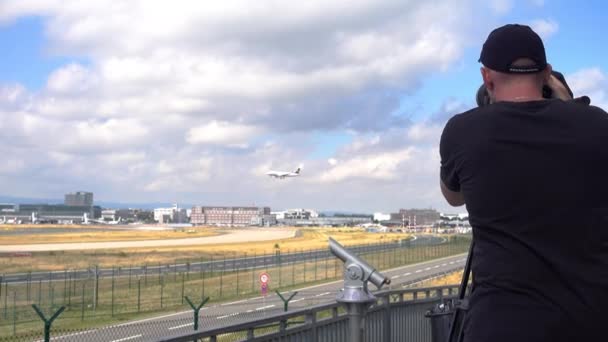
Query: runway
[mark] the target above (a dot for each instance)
(231, 236)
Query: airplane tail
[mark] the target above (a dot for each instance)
(299, 169)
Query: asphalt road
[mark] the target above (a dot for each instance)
(225, 314)
(261, 261)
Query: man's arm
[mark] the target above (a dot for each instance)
(454, 198)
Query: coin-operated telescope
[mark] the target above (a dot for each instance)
(355, 294)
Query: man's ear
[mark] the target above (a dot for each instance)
(487, 79)
(547, 73)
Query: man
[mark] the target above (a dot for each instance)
(533, 174)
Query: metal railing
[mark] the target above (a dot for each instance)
(397, 315)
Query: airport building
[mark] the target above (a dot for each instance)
(79, 199)
(296, 214)
(47, 213)
(416, 217)
(124, 215)
(231, 216)
(174, 214)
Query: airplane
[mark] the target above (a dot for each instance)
(87, 220)
(283, 174)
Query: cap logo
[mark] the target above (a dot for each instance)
(524, 69)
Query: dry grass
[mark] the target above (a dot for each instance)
(450, 279)
(307, 239)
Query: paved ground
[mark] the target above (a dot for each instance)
(233, 236)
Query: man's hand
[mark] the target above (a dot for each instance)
(455, 199)
(558, 88)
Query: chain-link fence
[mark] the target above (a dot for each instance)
(106, 298)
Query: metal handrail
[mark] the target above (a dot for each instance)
(421, 295)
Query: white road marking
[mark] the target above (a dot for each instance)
(436, 266)
(406, 274)
(181, 326)
(226, 316)
(265, 307)
(444, 265)
(297, 300)
(127, 338)
(231, 303)
(427, 269)
(418, 271)
(395, 277)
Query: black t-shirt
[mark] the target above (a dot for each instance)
(534, 176)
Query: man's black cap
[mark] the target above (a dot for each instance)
(509, 43)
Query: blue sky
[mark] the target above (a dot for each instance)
(153, 102)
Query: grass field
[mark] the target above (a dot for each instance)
(449, 279)
(306, 239)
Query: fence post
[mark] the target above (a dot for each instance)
(96, 288)
(202, 282)
(237, 280)
(280, 264)
(286, 301)
(65, 284)
(14, 313)
(138, 294)
(112, 314)
(48, 322)
(40, 292)
(315, 265)
(222, 276)
(253, 271)
(183, 283)
(29, 285)
(5, 300)
(82, 309)
(162, 289)
(196, 310)
(293, 269)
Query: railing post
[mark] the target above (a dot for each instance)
(47, 322)
(196, 310)
(387, 333)
(286, 301)
(311, 319)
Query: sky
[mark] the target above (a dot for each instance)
(194, 101)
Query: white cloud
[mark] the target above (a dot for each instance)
(12, 166)
(72, 78)
(222, 133)
(592, 82)
(501, 7)
(382, 166)
(545, 27)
